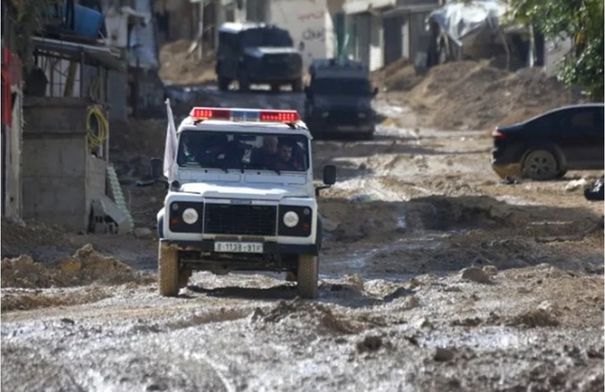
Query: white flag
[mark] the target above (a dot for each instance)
(171, 143)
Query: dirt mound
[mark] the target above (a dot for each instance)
(24, 238)
(474, 95)
(318, 316)
(180, 67)
(400, 75)
(84, 267)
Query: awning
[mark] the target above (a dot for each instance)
(93, 55)
(359, 6)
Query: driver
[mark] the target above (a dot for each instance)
(265, 156)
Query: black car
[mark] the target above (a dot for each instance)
(257, 53)
(546, 146)
(338, 99)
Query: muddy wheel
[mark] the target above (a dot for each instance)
(308, 266)
(540, 165)
(291, 276)
(184, 275)
(168, 271)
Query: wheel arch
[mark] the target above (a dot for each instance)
(551, 147)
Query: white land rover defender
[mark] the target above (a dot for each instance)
(241, 198)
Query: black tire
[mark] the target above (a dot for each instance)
(168, 270)
(540, 165)
(307, 275)
(297, 85)
(223, 83)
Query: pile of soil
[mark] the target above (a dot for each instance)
(475, 95)
(400, 75)
(84, 267)
(177, 66)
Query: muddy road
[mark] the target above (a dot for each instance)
(434, 276)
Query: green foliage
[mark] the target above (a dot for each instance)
(581, 20)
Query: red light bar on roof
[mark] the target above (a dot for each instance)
(279, 116)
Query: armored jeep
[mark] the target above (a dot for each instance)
(338, 99)
(257, 53)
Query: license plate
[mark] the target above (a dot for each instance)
(238, 247)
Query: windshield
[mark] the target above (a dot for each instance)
(341, 86)
(266, 37)
(225, 150)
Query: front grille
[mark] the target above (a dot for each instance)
(344, 117)
(240, 219)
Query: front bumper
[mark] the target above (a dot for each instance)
(269, 248)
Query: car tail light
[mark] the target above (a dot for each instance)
(497, 135)
(280, 116)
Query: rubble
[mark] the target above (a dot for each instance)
(475, 274)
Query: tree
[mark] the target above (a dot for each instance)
(581, 20)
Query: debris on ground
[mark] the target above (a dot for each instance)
(475, 274)
(84, 267)
(574, 185)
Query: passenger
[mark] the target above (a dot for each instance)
(265, 156)
(284, 157)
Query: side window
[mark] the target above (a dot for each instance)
(550, 124)
(584, 121)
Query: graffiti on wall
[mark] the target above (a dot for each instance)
(308, 25)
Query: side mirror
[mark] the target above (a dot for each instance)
(375, 91)
(156, 168)
(329, 174)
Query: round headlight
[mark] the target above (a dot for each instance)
(290, 219)
(190, 216)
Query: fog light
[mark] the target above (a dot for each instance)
(361, 115)
(290, 219)
(190, 216)
(325, 114)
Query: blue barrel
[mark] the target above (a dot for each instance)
(87, 22)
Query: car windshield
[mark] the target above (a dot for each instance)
(240, 151)
(341, 86)
(266, 37)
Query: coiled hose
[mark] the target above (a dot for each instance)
(96, 136)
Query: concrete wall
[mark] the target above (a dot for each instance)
(14, 150)
(376, 55)
(117, 94)
(309, 24)
(60, 178)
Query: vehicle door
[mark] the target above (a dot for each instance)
(583, 137)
